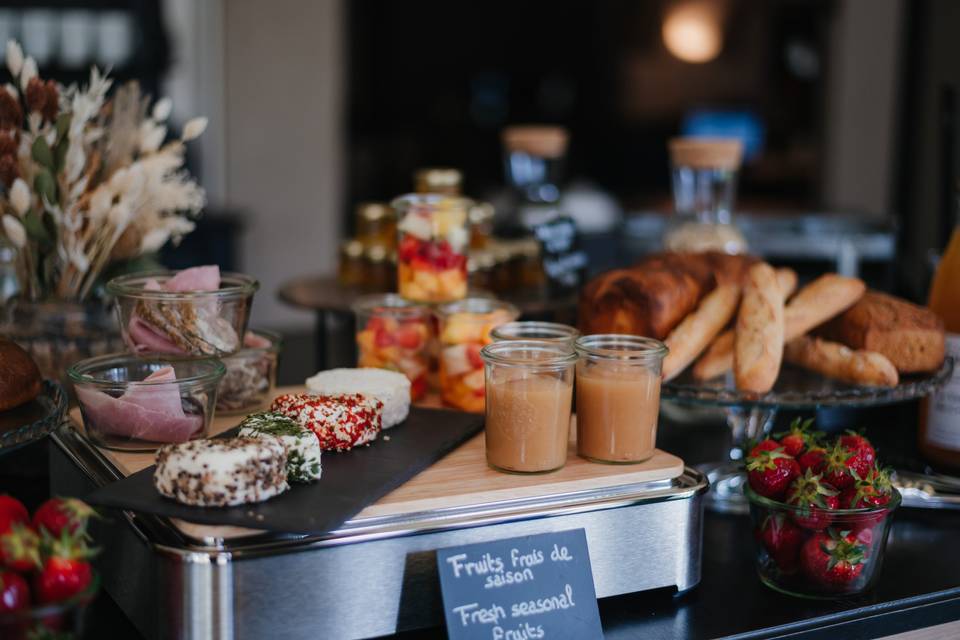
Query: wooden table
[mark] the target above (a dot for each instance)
(331, 302)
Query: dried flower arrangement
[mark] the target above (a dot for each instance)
(87, 181)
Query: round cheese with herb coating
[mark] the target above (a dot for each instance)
(339, 422)
(222, 472)
(303, 447)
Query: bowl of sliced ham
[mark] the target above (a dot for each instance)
(138, 403)
(194, 313)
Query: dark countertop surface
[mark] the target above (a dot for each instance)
(919, 585)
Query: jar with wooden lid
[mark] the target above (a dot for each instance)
(376, 225)
(352, 271)
(443, 180)
(704, 178)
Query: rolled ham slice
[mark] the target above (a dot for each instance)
(205, 278)
(153, 412)
(147, 339)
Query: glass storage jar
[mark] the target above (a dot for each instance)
(618, 397)
(432, 250)
(529, 390)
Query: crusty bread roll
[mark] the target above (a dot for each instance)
(910, 336)
(20, 379)
(835, 360)
(719, 356)
(701, 326)
(758, 341)
(653, 296)
(822, 299)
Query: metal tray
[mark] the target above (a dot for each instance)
(374, 576)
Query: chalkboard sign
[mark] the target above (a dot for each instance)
(520, 589)
(564, 262)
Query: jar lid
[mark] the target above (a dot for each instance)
(352, 248)
(545, 141)
(438, 180)
(706, 153)
(374, 211)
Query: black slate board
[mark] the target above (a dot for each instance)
(351, 480)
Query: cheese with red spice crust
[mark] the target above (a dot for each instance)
(340, 422)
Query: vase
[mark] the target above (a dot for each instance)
(59, 334)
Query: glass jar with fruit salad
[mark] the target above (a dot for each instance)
(432, 247)
(465, 328)
(395, 334)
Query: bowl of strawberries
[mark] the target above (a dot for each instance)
(821, 511)
(46, 580)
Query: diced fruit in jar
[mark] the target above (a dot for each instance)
(455, 361)
(417, 225)
(386, 343)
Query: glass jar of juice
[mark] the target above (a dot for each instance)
(395, 334)
(618, 397)
(432, 247)
(529, 391)
(465, 328)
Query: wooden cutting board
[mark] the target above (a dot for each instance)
(460, 479)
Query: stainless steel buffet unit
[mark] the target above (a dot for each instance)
(374, 576)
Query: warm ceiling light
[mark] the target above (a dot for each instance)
(692, 31)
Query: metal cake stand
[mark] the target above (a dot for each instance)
(751, 416)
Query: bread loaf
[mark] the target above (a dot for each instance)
(819, 301)
(838, 361)
(719, 356)
(653, 296)
(910, 336)
(19, 376)
(758, 341)
(695, 332)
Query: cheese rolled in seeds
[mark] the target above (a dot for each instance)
(221, 472)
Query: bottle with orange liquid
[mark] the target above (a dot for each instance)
(940, 414)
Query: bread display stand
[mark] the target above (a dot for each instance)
(377, 574)
(751, 416)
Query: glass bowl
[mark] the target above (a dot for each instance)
(251, 373)
(186, 324)
(819, 553)
(35, 419)
(61, 620)
(123, 410)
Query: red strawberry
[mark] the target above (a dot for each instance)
(62, 578)
(813, 459)
(771, 471)
(799, 438)
(14, 592)
(857, 442)
(57, 514)
(782, 540)
(11, 511)
(843, 465)
(66, 572)
(833, 561)
(764, 445)
(20, 548)
(871, 492)
(814, 499)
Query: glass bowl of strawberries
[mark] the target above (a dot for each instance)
(821, 512)
(46, 580)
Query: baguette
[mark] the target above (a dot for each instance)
(695, 332)
(719, 356)
(758, 337)
(827, 296)
(835, 360)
